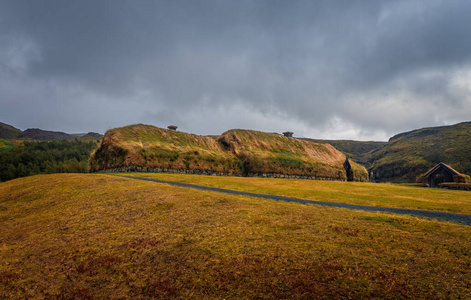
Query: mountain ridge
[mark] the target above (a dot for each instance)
(10, 132)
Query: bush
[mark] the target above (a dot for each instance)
(461, 178)
(420, 179)
(455, 186)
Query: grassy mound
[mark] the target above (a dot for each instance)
(408, 155)
(149, 146)
(236, 152)
(273, 153)
(93, 236)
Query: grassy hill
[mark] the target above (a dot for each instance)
(237, 152)
(410, 154)
(149, 146)
(356, 150)
(92, 236)
(90, 137)
(273, 153)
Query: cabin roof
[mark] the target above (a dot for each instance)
(432, 170)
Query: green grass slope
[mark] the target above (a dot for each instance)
(409, 154)
(7, 145)
(273, 153)
(355, 150)
(91, 236)
(236, 152)
(149, 146)
(91, 137)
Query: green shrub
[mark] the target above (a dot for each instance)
(461, 178)
(455, 186)
(41, 157)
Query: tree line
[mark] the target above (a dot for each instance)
(41, 157)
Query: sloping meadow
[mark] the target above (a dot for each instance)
(94, 236)
(235, 152)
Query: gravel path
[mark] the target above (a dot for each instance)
(465, 219)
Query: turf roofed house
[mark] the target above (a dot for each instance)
(441, 173)
(288, 134)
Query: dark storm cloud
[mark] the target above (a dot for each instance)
(349, 69)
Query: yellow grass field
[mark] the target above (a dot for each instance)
(92, 236)
(361, 193)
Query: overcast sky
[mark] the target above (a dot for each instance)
(362, 70)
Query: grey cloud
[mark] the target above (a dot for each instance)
(305, 63)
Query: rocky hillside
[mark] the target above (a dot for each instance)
(236, 152)
(408, 155)
(8, 132)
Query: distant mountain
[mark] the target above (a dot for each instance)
(36, 134)
(90, 137)
(356, 150)
(409, 154)
(4, 134)
(8, 132)
(11, 133)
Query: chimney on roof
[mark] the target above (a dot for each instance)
(288, 134)
(172, 127)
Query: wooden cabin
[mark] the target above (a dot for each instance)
(288, 134)
(439, 174)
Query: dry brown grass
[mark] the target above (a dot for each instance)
(75, 236)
